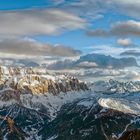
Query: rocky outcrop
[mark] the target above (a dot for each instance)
(130, 135)
(36, 81)
(12, 130)
(36, 85)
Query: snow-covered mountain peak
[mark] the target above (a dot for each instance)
(113, 86)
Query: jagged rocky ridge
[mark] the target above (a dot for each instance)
(95, 60)
(36, 81)
(113, 86)
(32, 96)
(38, 112)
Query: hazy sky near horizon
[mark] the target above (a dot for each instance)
(69, 27)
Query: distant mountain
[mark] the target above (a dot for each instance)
(113, 86)
(95, 60)
(131, 53)
(28, 63)
(108, 61)
(66, 64)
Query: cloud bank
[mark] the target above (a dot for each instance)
(118, 29)
(131, 53)
(33, 48)
(92, 8)
(38, 22)
(95, 60)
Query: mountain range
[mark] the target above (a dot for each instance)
(37, 105)
(95, 60)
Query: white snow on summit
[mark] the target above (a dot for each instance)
(121, 105)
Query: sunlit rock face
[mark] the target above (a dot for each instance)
(33, 96)
(12, 130)
(37, 81)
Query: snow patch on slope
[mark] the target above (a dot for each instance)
(51, 102)
(121, 105)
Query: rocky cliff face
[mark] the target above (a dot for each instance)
(31, 97)
(12, 130)
(36, 81)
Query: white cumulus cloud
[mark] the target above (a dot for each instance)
(124, 41)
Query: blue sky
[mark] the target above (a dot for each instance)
(22, 4)
(66, 22)
(78, 38)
